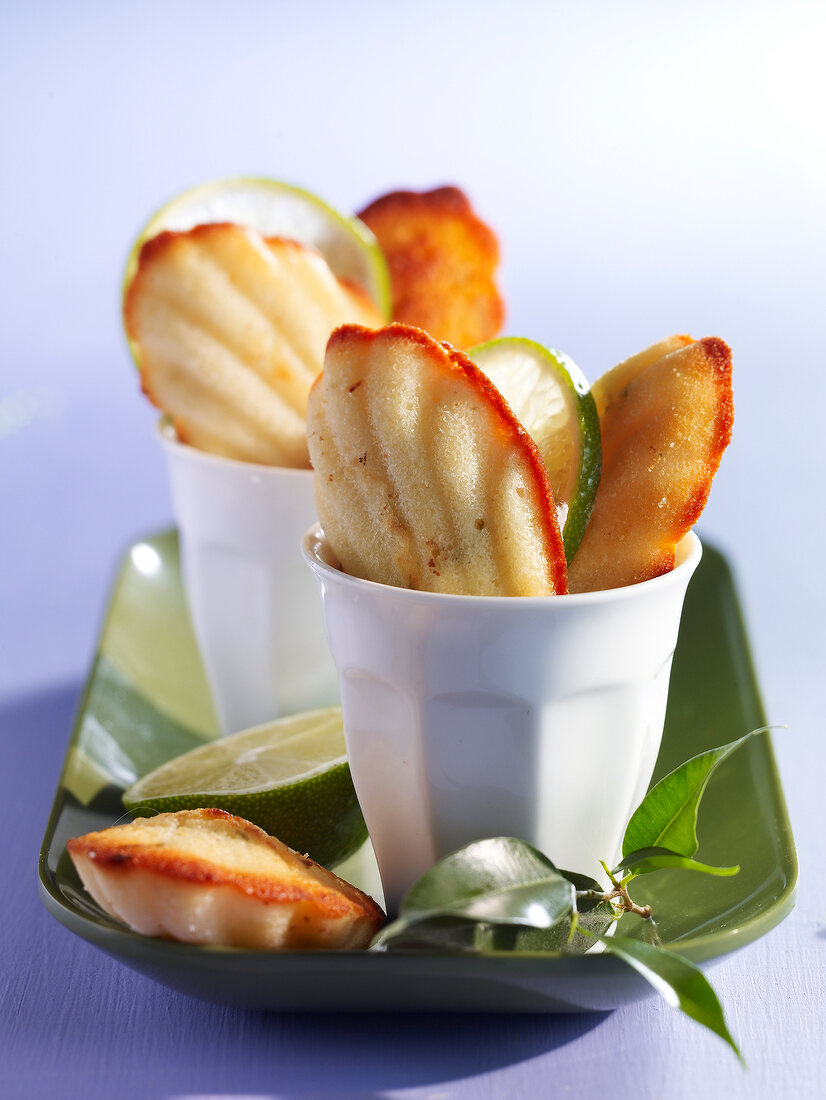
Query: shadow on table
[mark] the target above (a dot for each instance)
(368, 1053)
(362, 1057)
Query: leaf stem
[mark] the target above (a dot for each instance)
(618, 897)
(607, 870)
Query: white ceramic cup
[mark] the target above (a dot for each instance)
(253, 604)
(469, 717)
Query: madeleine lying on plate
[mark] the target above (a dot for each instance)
(424, 478)
(207, 877)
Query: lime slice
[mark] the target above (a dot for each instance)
(549, 395)
(291, 778)
(278, 210)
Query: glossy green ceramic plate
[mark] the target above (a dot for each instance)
(147, 700)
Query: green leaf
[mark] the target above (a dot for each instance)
(501, 881)
(646, 860)
(582, 882)
(667, 816)
(680, 982)
(435, 934)
(594, 916)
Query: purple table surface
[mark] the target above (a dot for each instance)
(678, 189)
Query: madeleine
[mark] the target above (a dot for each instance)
(665, 420)
(207, 877)
(442, 260)
(424, 478)
(230, 329)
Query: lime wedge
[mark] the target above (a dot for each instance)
(291, 778)
(279, 210)
(549, 395)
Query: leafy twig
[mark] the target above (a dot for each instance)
(502, 894)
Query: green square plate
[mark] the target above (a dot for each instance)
(147, 700)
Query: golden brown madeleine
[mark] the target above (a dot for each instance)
(442, 260)
(611, 384)
(424, 478)
(663, 435)
(230, 331)
(205, 876)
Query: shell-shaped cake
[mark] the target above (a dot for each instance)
(230, 330)
(424, 478)
(442, 259)
(665, 416)
(205, 876)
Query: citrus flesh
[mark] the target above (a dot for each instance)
(290, 777)
(550, 397)
(277, 209)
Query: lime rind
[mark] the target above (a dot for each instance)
(291, 778)
(327, 824)
(590, 469)
(286, 751)
(275, 209)
(569, 405)
(229, 781)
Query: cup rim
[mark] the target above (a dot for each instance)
(687, 558)
(168, 437)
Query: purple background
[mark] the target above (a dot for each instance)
(649, 168)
